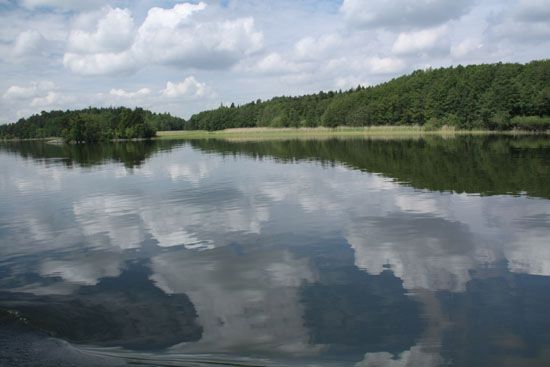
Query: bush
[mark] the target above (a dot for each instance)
(531, 123)
(452, 120)
(475, 125)
(500, 121)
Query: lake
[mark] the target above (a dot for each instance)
(406, 252)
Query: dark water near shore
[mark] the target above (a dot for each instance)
(417, 252)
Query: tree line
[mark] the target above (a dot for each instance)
(491, 96)
(92, 125)
(499, 96)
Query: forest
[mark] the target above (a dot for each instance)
(491, 96)
(501, 96)
(92, 125)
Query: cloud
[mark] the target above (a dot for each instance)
(167, 37)
(466, 48)
(403, 13)
(169, 19)
(173, 36)
(310, 48)
(190, 90)
(526, 21)
(36, 96)
(373, 65)
(274, 63)
(190, 87)
(27, 46)
(143, 92)
(533, 11)
(114, 32)
(103, 49)
(384, 65)
(62, 4)
(420, 41)
(99, 64)
(415, 356)
(28, 43)
(33, 90)
(519, 32)
(52, 100)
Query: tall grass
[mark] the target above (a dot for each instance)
(318, 132)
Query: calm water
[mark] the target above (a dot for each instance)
(341, 252)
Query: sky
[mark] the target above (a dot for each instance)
(184, 57)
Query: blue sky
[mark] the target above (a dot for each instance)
(183, 57)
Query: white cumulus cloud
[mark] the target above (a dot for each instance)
(52, 100)
(33, 90)
(113, 32)
(128, 94)
(384, 65)
(275, 63)
(37, 96)
(167, 36)
(420, 41)
(189, 87)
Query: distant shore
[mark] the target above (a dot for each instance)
(323, 132)
(269, 133)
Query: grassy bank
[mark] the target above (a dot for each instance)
(321, 132)
(267, 133)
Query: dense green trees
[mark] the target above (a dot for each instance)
(92, 125)
(497, 96)
(128, 124)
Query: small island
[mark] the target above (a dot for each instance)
(92, 125)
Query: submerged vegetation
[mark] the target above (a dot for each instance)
(495, 97)
(92, 125)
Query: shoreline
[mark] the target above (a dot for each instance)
(269, 133)
(323, 132)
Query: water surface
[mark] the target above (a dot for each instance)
(428, 252)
